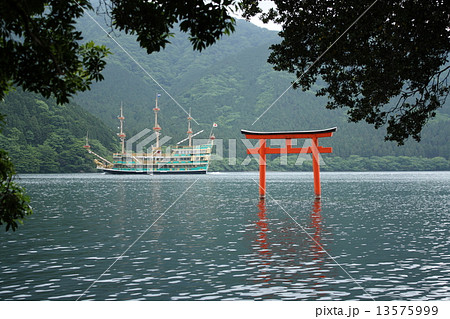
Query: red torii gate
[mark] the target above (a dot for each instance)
(315, 149)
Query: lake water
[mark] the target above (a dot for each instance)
(388, 235)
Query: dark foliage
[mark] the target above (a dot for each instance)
(14, 204)
(152, 21)
(390, 67)
(40, 48)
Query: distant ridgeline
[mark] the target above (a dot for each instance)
(43, 137)
(353, 163)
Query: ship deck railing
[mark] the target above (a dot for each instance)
(162, 163)
(162, 156)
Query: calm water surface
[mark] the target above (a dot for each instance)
(389, 231)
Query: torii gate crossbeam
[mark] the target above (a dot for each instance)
(314, 149)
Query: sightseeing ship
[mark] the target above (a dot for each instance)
(178, 159)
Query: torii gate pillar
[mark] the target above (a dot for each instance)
(314, 149)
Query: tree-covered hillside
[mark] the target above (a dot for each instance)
(232, 84)
(43, 137)
(229, 83)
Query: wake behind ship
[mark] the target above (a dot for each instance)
(189, 159)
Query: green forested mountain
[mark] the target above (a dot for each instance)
(229, 83)
(43, 137)
(232, 84)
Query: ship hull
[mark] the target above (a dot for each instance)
(121, 172)
(178, 172)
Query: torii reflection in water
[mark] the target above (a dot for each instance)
(272, 250)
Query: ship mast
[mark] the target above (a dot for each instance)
(157, 128)
(189, 131)
(211, 135)
(87, 146)
(121, 134)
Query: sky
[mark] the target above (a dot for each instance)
(265, 6)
